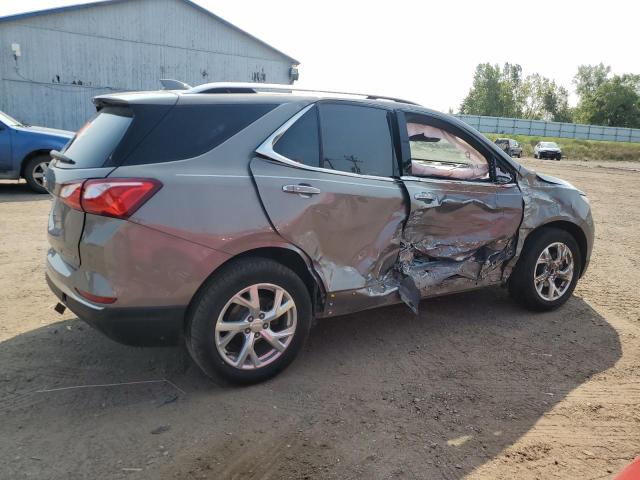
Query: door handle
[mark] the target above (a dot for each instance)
(426, 197)
(301, 189)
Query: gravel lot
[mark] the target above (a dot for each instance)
(474, 387)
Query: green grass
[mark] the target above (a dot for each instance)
(575, 149)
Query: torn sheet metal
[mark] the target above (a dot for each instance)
(456, 233)
(370, 248)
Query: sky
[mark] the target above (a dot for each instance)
(427, 51)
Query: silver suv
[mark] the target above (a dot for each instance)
(231, 220)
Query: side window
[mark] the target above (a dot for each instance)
(436, 152)
(191, 130)
(300, 142)
(356, 139)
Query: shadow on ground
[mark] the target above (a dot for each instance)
(19, 192)
(380, 394)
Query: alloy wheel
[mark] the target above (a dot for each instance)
(554, 271)
(256, 326)
(39, 171)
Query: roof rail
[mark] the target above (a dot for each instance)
(246, 87)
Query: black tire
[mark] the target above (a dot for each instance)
(30, 170)
(521, 283)
(212, 299)
(535, 155)
(558, 157)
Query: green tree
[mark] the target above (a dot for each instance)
(616, 103)
(545, 100)
(589, 78)
(495, 91)
(604, 100)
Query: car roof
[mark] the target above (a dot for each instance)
(223, 92)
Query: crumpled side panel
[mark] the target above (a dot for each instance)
(351, 228)
(456, 236)
(545, 199)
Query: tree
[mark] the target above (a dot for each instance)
(610, 101)
(545, 100)
(504, 93)
(616, 103)
(496, 92)
(589, 78)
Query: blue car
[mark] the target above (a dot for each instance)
(24, 150)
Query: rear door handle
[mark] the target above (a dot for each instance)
(426, 197)
(301, 189)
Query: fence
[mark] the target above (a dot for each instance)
(540, 128)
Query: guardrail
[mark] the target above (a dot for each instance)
(541, 128)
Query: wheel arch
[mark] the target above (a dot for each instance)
(31, 155)
(288, 256)
(572, 229)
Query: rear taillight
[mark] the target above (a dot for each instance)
(71, 194)
(117, 197)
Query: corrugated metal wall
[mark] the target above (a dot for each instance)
(540, 128)
(71, 56)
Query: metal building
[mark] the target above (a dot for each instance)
(53, 61)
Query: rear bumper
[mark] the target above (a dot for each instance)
(139, 326)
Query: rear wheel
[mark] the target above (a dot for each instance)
(250, 321)
(34, 172)
(547, 271)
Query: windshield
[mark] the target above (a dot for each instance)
(549, 144)
(7, 120)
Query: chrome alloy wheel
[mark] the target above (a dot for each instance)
(256, 326)
(554, 271)
(39, 172)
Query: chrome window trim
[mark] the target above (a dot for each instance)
(266, 150)
(450, 181)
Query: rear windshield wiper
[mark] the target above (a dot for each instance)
(61, 157)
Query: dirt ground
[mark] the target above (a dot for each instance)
(474, 387)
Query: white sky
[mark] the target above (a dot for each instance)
(427, 51)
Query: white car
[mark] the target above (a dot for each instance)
(547, 150)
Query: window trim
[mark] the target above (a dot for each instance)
(266, 149)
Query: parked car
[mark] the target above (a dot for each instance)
(547, 150)
(510, 146)
(24, 150)
(232, 220)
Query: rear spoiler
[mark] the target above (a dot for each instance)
(135, 98)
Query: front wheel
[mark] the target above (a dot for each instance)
(34, 172)
(547, 272)
(249, 321)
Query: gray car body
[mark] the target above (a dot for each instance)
(362, 242)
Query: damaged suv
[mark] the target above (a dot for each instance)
(231, 220)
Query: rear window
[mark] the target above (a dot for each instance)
(191, 130)
(95, 142)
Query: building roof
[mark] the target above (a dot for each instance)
(79, 6)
